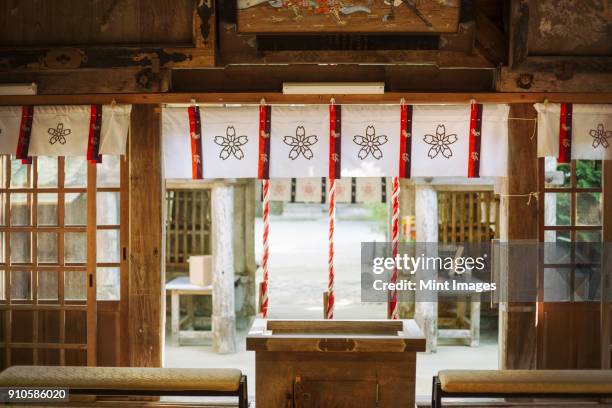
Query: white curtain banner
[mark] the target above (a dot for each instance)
(230, 141)
(64, 130)
(494, 140)
(591, 131)
(280, 189)
(10, 124)
(299, 141)
(440, 141)
(310, 190)
(114, 132)
(176, 143)
(370, 140)
(371, 144)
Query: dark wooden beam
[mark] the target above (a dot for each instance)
(441, 59)
(146, 299)
(525, 81)
(120, 80)
(564, 66)
(239, 78)
(491, 40)
(519, 31)
(270, 97)
(35, 59)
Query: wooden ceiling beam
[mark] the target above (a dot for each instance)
(525, 81)
(279, 98)
(38, 59)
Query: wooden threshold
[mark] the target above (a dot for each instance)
(279, 98)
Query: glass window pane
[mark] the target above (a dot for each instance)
(557, 175)
(557, 285)
(2, 282)
(559, 251)
(75, 205)
(20, 209)
(75, 169)
(4, 158)
(588, 236)
(19, 174)
(557, 208)
(21, 285)
(2, 260)
(2, 209)
(108, 284)
(48, 285)
(21, 244)
(108, 172)
(588, 173)
(588, 208)
(46, 209)
(107, 246)
(47, 171)
(587, 283)
(107, 208)
(75, 247)
(47, 249)
(75, 285)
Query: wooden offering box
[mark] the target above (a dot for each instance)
(332, 363)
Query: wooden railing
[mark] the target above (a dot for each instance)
(468, 216)
(188, 226)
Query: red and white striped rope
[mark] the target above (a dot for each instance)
(392, 312)
(329, 313)
(266, 253)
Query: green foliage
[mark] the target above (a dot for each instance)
(379, 213)
(588, 175)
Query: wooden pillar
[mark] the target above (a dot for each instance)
(426, 208)
(245, 265)
(406, 201)
(223, 314)
(519, 221)
(146, 300)
(606, 301)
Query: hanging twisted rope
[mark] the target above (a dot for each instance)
(392, 311)
(329, 313)
(266, 253)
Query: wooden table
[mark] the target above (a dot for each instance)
(332, 363)
(182, 286)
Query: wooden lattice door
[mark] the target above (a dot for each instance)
(569, 281)
(52, 279)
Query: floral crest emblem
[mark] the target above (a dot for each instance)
(300, 143)
(600, 136)
(370, 143)
(231, 144)
(58, 134)
(440, 143)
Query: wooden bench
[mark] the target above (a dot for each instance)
(564, 384)
(123, 381)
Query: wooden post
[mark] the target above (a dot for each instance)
(406, 306)
(175, 317)
(147, 301)
(223, 314)
(606, 340)
(517, 322)
(426, 208)
(325, 303)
